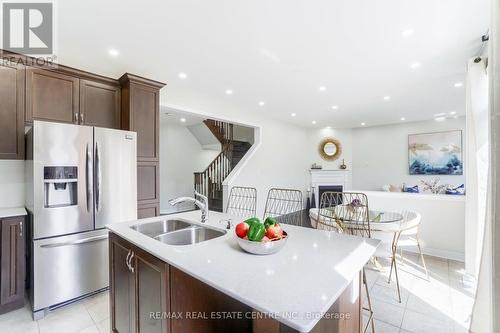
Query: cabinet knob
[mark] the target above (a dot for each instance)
(81, 118)
(76, 117)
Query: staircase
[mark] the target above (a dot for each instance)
(209, 182)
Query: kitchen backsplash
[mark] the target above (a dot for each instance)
(11, 183)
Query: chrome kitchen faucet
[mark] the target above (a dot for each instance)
(203, 206)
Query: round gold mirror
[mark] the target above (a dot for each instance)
(330, 149)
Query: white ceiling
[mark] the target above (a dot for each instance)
(282, 51)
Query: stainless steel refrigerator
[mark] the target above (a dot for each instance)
(79, 178)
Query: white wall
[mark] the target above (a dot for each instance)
(11, 183)
(281, 160)
(380, 154)
(243, 133)
(180, 155)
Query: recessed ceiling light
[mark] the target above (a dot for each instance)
(453, 112)
(407, 32)
(403, 118)
(363, 124)
(440, 118)
(415, 65)
(313, 122)
(458, 84)
(262, 103)
(293, 114)
(439, 114)
(334, 107)
(113, 52)
(386, 98)
(229, 92)
(183, 120)
(328, 127)
(322, 88)
(182, 76)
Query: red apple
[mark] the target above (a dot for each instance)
(274, 231)
(242, 229)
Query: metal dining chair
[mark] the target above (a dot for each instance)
(281, 201)
(408, 236)
(242, 202)
(347, 212)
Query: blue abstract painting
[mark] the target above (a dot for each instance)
(437, 153)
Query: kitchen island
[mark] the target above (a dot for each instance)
(311, 285)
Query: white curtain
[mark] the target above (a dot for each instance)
(484, 312)
(477, 162)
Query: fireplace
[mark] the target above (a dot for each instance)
(329, 188)
(329, 180)
(326, 188)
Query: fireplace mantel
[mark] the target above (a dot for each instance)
(320, 177)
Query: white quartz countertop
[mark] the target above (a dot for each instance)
(12, 211)
(296, 285)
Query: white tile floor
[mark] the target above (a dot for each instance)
(438, 305)
(441, 304)
(87, 316)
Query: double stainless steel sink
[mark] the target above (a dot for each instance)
(178, 232)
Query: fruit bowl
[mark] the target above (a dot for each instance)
(262, 248)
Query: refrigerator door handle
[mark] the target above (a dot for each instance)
(77, 242)
(88, 177)
(98, 177)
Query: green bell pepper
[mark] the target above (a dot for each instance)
(251, 221)
(270, 221)
(256, 232)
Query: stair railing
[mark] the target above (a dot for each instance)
(209, 182)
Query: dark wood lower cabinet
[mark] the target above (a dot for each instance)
(139, 289)
(150, 296)
(12, 263)
(122, 287)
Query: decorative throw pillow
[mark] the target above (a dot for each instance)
(459, 190)
(413, 189)
(394, 188)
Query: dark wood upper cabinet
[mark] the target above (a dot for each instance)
(141, 113)
(12, 263)
(51, 96)
(100, 104)
(148, 189)
(144, 211)
(12, 81)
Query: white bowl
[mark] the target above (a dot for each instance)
(262, 247)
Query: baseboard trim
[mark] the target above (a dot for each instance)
(440, 253)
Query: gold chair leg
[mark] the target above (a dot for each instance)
(369, 309)
(397, 280)
(394, 251)
(393, 263)
(422, 256)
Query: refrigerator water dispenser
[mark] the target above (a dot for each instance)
(60, 186)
